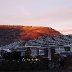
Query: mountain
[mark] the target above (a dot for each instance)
(27, 32)
(30, 32)
(10, 34)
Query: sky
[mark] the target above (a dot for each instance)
(49, 13)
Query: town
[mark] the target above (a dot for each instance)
(45, 57)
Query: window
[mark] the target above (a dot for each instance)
(67, 48)
(59, 50)
(41, 52)
(34, 52)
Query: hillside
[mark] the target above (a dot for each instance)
(42, 41)
(10, 34)
(30, 32)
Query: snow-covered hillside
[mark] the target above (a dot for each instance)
(42, 41)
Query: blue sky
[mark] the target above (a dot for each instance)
(52, 13)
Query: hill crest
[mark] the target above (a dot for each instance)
(29, 32)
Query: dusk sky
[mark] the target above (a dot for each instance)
(52, 13)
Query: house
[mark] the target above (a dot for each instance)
(45, 52)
